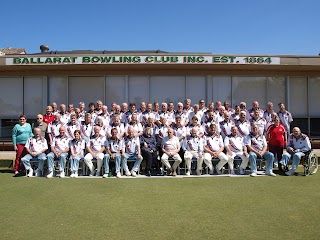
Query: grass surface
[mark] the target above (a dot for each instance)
(181, 208)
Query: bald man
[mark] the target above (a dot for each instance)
(297, 145)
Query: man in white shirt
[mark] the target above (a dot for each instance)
(59, 150)
(257, 147)
(36, 147)
(234, 144)
(285, 118)
(170, 148)
(95, 148)
(132, 150)
(114, 149)
(297, 145)
(193, 146)
(213, 148)
(243, 124)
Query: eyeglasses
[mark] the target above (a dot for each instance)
(22, 119)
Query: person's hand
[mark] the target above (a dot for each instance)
(139, 156)
(123, 155)
(15, 148)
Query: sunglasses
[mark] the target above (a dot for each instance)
(22, 119)
(39, 118)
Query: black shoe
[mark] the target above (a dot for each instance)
(148, 174)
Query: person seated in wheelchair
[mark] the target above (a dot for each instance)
(297, 146)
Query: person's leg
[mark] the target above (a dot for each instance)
(26, 161)
(42, 160)
(223, 160)
(106, 160)
(164, 160)
(19, 155)
(208, 161)
(117, 160)
(177, 161)
(269, 157)
(136, 164)
(99, 163)
(125, 162)
(88, 160)
(187, 159)
(253, 163)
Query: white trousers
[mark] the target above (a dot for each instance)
(222, 157)
(177, 160)
(88, 160)
(188, 155)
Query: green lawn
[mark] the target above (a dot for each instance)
(154, 208)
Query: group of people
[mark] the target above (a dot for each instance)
(188, 133)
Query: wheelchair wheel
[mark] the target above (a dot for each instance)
(312, 164)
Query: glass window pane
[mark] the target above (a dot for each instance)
(298, 90)
(58, 90)
(302, 123)
(115, 90)
(276, 91)
(221, 89)
(11, 87)
(315, 127)
(138, 89)
(86, 89)
(249, 89)
(196, 88)
(33, 96)
(314, 90)
(167, 88)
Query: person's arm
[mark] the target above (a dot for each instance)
(14, 137)
(139, 150)
(226, 145)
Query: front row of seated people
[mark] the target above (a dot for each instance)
(202, 149)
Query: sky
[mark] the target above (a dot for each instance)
(230, 27)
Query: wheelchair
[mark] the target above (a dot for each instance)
(309, 163)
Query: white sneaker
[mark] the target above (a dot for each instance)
(271, 174)
(218, 171)
(105, 175)
(30, 174)
(188, 173)
(290, 172)
(98, 174)
(72, 175)
(38, 173)
(76, 175)
(62, 175)
(92, 173)
(254, 174)
(232, 172)
(50, 175)
(198, 171)
(133, 174)
(118, 175)
(128, 173)
(241, 171)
